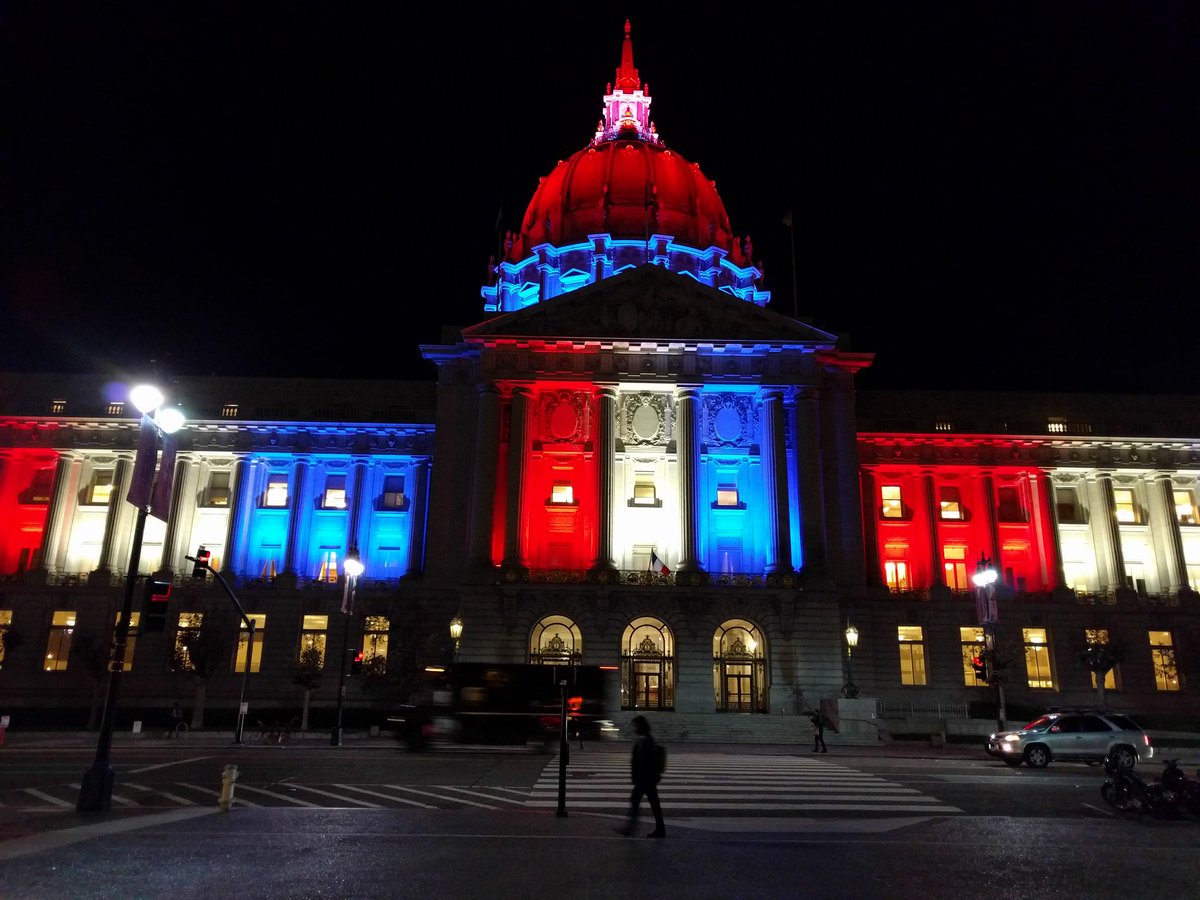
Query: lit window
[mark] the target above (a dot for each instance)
(1125, 506)
(943, 425)
(187, 639)
(727, 495)
(229, 411)
(277, 490)
(116, 408)
(335, 492)
(57, 407)
(375, 643)
(260, 627)
(312, 639)
(58, 648)
(1185, 507)
(972, 642)
(895, 572)
(1099, 637)
(562, 493)
(393, 492)
(954, 561)
(1037, 658)
(5, 624)
(1056, 425)
(101, 488)
(644, 493)
(130, 638)
(949, 503)
(328, 570)
(217, 492)
(1162, 654)
(912, 654)
(893, 506)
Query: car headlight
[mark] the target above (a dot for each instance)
(1011, 738)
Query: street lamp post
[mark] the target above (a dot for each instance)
(850, 689)
(456, 630)
(352, 568)
(249, 623)
(95, 790)
(985, 605)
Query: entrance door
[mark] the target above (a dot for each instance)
(739, 687)
(646, 684)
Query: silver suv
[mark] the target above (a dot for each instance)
(1078, 736)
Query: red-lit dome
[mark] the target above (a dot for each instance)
(626, 188)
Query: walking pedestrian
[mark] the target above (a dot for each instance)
(818, 723)
(646, 774)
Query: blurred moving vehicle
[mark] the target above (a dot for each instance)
(510, 703)
(1090, 736)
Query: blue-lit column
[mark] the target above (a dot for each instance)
(237, 529)
(359, 511)
(417, 516)
(687, 453)
(605, 450)
(483, 481)
(809, 479)
(774, 470)
(518, 452)
(296, 508)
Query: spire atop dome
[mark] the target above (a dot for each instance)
(627, 103)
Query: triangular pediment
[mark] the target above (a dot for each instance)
(649, 303)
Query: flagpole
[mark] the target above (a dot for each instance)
(787, 220)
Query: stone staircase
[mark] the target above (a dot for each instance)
(736, 728)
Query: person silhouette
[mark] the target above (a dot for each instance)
(818, 723)
(644, 767)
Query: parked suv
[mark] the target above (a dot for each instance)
(1088, 736)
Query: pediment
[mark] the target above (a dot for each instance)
(649, 303)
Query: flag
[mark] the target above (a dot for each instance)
(142, 481)
(160, 500)
(657, 566)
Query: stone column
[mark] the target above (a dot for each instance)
(483, 480)
(605, 450)
(297, 506)
(59, 514)
(845, 517)
(871, 528)
(687, 456)
(809, 479)
(417, 508)
(518, 455)
(775, 493)
(240, 505)
(989, 505)
(1164, 526)
(117, 525)
(182, 513)
(361, 500)
(1106, 534)
(937, 577)
(1045, 516)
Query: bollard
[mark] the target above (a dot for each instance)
(228, 777)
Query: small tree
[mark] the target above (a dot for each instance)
(93, 655)
(10, 640)
(307, 673)
(1099, 657)
(200, 652)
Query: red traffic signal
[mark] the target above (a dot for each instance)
(154, 606)
(201, 558)
(980, 666)
(357, 664)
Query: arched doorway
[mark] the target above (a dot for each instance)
(556, 641)
(647, 665)
(739, 670)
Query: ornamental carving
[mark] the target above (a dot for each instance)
(644, 419)
(728, 420)
(563, 417)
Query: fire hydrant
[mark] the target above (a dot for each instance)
(228, 777)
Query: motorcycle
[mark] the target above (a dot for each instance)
(1128, 792)
(1186, 791)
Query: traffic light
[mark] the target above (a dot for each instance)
(154, 606)
(202, 557)
(356, 664)
(979, 664)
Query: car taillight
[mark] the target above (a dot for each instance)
(1146, 739)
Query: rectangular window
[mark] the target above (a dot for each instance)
(260, 628)
(644, 493)
(393, 492)
(1185, 507)
(1066, 505)
(327, 570)
(1099, 637)
(1162, 654)
(277, 490)
(375, 643)
(335, 492)
(1037, 658)
(229, 411)
(895, 572)
(954, 562)
(892, 504)
(130, 638)
(217, 492)
(312, 636)
(58, 407)
(562, 493)
(1008, 505)
(949, 503)
(1125, 506)
(40, 489)
(186, 637)
(116, 408)
(727, 495)
(101, 488)
(5, 624)
(912, 654)
(972, 641)
(58, 648)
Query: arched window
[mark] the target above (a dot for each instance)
(739, 669)
(555, 641)
(647, 665)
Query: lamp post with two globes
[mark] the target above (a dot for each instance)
(95, 791)
(985, 604)
(850, 689)
(352, 568)
(456, 630)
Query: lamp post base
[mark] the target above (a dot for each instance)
(95, 790)
(335, 738)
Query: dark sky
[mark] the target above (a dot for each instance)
(985, 195)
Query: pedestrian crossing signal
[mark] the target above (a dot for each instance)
(357, 664)
(155, 601)
(980, 666)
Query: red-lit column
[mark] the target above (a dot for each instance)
(605, 450)
(993, 533)
(518, 455)
(483, 480)
(774, 469)
(687, 452)
(1045, 529)
(936, 576)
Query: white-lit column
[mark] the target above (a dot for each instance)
(183, 510)
(117, 525)
(1164, 525)
(61, 511)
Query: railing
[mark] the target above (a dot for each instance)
(894, 710)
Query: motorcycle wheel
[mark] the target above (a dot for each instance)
(1118, 797)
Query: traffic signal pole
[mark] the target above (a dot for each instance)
(201, 562)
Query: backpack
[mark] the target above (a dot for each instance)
(660, 758)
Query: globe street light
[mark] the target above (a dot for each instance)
(849, 689)
(456, 630)
(95, 790)
(352, 568)
(985, 607)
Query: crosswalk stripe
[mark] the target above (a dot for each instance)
(397, 787)
(447, 787)
(183, 801)
(42, 795)
(266, 793)
(203, 790)
(313, 790)
(349, 787)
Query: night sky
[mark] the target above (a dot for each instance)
(986, 196)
